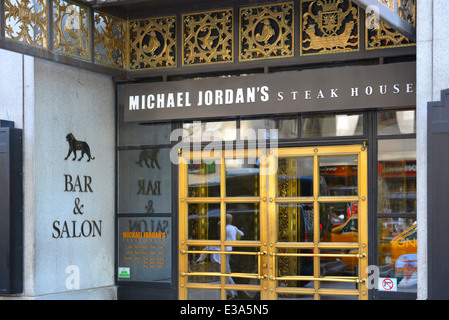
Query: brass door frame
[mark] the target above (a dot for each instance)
(267, 246)
(361, 246)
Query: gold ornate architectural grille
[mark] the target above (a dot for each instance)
(109, 40)
(329, 26)
(207, 37)
(71, 35)
(278, 30)
(266, 32)
(387, 3)
(26, 21)
(152, 43)
(385, 37)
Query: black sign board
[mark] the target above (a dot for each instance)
(326, 89)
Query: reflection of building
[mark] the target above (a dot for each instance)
(347, 106)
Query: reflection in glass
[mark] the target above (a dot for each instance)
(144, 181)
(294, 266)
(203, 179)
(332, 125)
(245, 217)
(340, 174)
(286, 128)
(137, 134)
(345, 265)
(339, 222)
(210, 131)
(390, 122)
(204, 262)
(245, 264)
(398, 251)
(204, 294)
(242, 177)
(203, 221)
(397, 176)
(295, 296)
(336, 297)
(295, 177)
(246, 295)
(295, 222)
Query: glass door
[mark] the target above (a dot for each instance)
(288, 224)
(317, 214)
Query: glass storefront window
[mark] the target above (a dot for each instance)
(286, 128)
(137, 134)
(210, 131)
(332, 125)
(145, 249)
(398, 251)
(397, 176)
(391, 122)
(144, 181)
(397, 227)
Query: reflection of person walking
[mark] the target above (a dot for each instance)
(231, 235)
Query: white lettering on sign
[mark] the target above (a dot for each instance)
(251, 95)
(356, 87)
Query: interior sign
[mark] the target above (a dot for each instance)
(388, 284)
(327, 89)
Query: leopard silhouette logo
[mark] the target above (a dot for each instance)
(149, 157)
(75, 145)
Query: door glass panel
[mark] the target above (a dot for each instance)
(202, 262)
(344, 265)
(340, 175)
(339, 222)
(203, 179)
(246, 218)
(339, 297)
(244, 295)
(242, 177)
(203, 219)
(293, 296)
(295, 222)
(290, 265)
(295, 177)
(204, 294)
